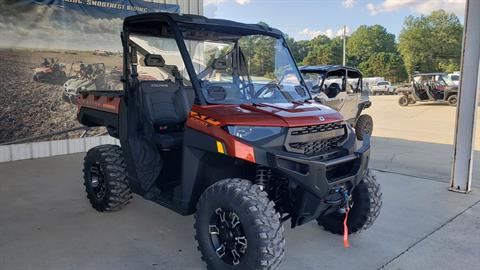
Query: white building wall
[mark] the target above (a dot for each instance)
(70, 146)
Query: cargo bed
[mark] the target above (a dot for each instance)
(100, 108)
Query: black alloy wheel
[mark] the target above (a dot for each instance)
(238, 228)
(97, 181)
(227, 236)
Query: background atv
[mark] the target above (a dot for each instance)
(242, 147)
(430, 87)
(88, 77)
(50, 72)
(341, 88)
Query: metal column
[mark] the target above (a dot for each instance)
(468, 100)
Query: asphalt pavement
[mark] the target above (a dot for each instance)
(416, 140)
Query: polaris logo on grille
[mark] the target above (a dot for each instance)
(321, 118)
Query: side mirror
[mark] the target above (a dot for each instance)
(154, 60)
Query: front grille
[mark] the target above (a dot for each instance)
(317, 139)
(318, 128)
(317, 146)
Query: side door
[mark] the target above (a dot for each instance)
(350, 104)
(351, 91)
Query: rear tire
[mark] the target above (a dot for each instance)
(411, 100)
(363, 126)
(367, 201)
(256, 223)
(105, 178)
(403, 101)
(452, 100)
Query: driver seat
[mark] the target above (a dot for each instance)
(332, 90)
(166, 106)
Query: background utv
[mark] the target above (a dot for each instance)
(241, 147)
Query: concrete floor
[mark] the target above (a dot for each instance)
(47, 223)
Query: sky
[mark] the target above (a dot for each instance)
(305, 19)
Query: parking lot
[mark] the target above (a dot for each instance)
(415, 140)
(47, 219)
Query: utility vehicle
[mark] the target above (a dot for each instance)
(50, 72)
(428, 87)
(341, 88)
(89, 77)
(213, 132)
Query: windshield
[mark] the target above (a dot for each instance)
(168, 49)
(323, 82)
(246, 69)
(446, 80)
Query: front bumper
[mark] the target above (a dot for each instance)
(70, 98)
(318, 179)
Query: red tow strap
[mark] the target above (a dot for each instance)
(345, 228)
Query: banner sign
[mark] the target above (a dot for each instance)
(51, 50)
(108, 8)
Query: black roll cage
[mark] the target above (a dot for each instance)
(158, 24)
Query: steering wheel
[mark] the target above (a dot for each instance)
(266, 89)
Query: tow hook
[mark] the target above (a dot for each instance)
(338, 196)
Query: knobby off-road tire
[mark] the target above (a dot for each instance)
(363, 126)
(403, 101)
(367, 201)
(259, 222)
(105, 178)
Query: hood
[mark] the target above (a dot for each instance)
(42, 70)
(74, 84)
(268, 114)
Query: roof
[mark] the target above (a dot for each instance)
(144, 23)
(332, 70)
(326, 68)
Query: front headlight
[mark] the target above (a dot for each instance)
(253, 133)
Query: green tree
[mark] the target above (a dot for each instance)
(259, 53)
(324, 51)
(385, 64)
(299, 49)
(431, 43)
(367, 41)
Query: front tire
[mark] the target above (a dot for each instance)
(105, 178)
(363, 126)
(367, 201)
(237, 227)
(452, 100)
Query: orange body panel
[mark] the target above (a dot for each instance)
(99, 102)
(211, 118)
